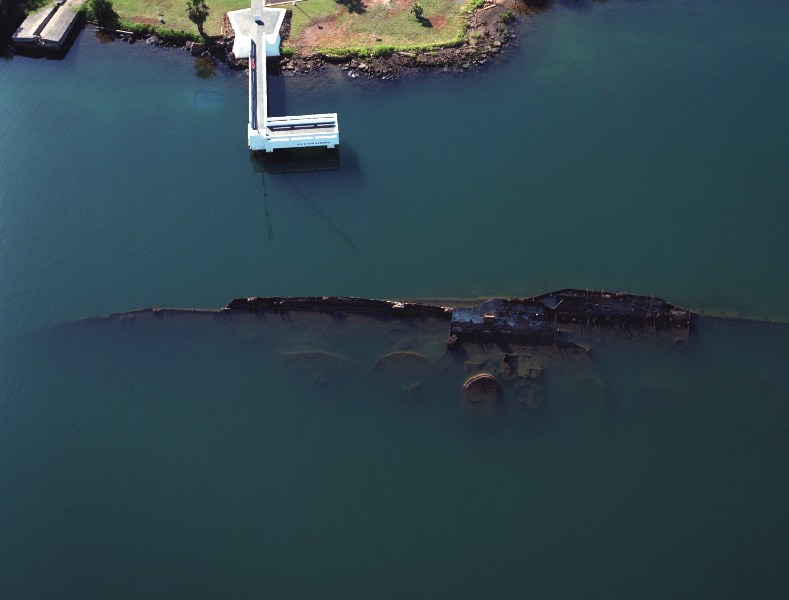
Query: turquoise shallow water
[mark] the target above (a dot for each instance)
(627, 146)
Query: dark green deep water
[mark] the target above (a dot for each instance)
(638, 146)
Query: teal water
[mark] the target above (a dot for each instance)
(628, 146)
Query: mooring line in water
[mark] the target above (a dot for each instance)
(326, 219)
(265, 208)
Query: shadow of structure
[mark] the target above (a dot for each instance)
(353, 6)
(296, 160)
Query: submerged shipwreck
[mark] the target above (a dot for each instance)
(546, 319)
(497, 351)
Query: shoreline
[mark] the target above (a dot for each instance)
(491, 29)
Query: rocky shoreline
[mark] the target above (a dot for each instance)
(490, 30)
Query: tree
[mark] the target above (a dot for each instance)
(197, 11)
(417, 11)
(103, 12)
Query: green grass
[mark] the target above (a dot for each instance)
(174, 13)
(381, 27)
(310, 11)
(473, 5)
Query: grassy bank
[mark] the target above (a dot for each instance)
(171, 14)
(328, 27)
(333, 26)
(339, 26)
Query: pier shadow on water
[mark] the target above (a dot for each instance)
(302, 160)
(299, 160)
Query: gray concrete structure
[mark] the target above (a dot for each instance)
(28, 31)
(49, 27)
(56, 31)
(257, 37)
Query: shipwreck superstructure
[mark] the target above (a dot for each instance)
(552, 317)
(499, 349)
(556, 318)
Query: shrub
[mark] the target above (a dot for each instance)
(103, 13)
(171, 36)
(473, 5)
(382, 51)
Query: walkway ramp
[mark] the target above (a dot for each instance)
(272, 133)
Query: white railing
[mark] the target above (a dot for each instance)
(271, 133)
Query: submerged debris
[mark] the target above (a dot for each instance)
(539, 319)
(500, 348)
(482, 389)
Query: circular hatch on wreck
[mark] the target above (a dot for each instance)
(481, 390)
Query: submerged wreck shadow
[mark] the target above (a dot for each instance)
(494, 358)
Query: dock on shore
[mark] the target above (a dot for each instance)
(49, 27)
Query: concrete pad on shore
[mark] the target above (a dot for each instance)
(57, 30)
(50, 26)
(33, 24)
(245, 28)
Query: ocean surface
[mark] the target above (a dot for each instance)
(639, 146)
